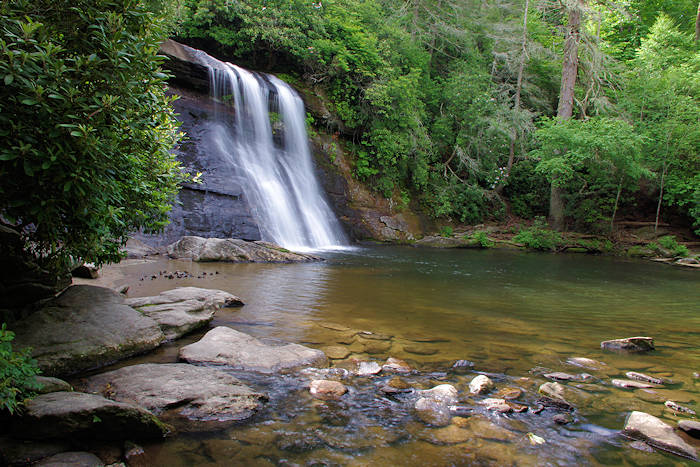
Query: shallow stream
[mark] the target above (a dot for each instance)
(514, 315)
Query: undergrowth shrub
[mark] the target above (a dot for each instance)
(482, 239)
(539, 237)
(669, 242)
(17, 373)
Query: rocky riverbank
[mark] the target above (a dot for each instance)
(629, 241)
(228, 377)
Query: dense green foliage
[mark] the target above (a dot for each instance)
(85, 127)
(425, 92)
(17, 373)
(539, 236)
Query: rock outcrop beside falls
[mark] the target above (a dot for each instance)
(234, 250)
(89, 327)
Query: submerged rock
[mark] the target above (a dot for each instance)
(184, 309)
(463, 364)
(226, 346)
(71, 459)
(553, 390)
(197, 393)
(396, 386)
(234, 250)
(562, 419)
(70, 415)
(327, 389)
(644, 427)
(420, 350)
(443, 393)
(451, 434)
(641, 446)
(629, 344)
(587, 363)
(336, 352)
(397, 365)
(509, 393)
(86, 327)
(692, 427)
(432, 412)
(481, 384)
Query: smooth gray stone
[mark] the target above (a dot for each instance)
(197, 393)
(226, 346)
(84, 328)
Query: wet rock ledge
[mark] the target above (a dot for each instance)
(234, 250)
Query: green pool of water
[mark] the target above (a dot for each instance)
(514, 315)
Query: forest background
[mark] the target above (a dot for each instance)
(456, 106)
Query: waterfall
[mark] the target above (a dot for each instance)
(260, 129)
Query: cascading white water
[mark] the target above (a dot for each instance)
(277, 179)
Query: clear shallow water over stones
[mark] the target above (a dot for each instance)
(516, 316)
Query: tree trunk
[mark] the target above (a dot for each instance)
(556, 208)
(570, 66)
(565, 110)
(617, 202)
(516, 105)
(661, 197)
(697, 24)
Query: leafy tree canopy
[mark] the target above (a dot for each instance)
(86, 129)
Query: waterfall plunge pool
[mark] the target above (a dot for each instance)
(514, 315)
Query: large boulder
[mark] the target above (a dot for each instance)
(647, 428)
(226, 346)
(85, 327)
(71, 415)
(194, 392)
(183, 309)
(233, 250)
(49, 384)
(136, 249)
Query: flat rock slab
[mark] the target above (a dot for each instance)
(226, 346)
(629, 344)
(49, 384)
(630, 384)
(184, 309)
(197, 393)
(644, 427)
(234, 250)
(86, 327)
(71, 459)
(71, 415)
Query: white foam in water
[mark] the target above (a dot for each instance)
(279, 182)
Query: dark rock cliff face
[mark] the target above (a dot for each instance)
(217, 207)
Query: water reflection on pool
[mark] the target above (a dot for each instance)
(513, 314)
